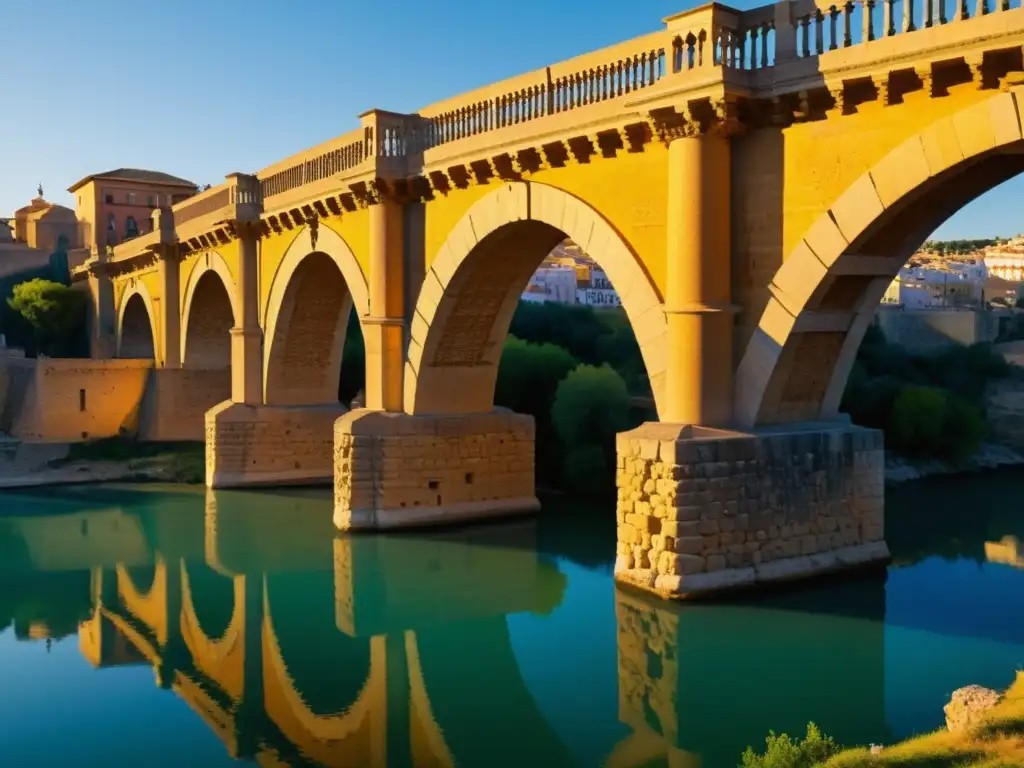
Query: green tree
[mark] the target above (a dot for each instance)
(591, 406)
(528, 378)
(55, 311)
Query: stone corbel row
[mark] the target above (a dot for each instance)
(998, 69)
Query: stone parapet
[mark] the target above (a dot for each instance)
(703, 510)
(393, 470)
(248, 445)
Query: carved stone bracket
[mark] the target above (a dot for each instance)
(727, 117)
(314, 230)
(883, 86)
(839, 96)
(924, 74)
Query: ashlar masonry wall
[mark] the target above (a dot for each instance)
(702, 510)
(393, 470)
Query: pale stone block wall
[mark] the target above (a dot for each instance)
(269, 445)
(69, 400)
(177, 400)
(394, 470)
(701, 510)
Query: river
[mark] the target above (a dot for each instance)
(170, 626)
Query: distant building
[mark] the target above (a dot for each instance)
(1006, 261)
(570, 276)
(44, 226)
(951, 284)
(118, 205)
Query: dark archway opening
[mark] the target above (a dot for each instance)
(210, 319)
(136, 331)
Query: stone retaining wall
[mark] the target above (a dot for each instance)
(701, 510)
(269, 445)
(395, 470)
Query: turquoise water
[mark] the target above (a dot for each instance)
(165, 627)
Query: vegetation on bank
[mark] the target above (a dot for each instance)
(997, 741)
(930, 406)
(181, 462)
(56, 315)
(959, 247)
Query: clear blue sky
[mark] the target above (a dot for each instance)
(202, 88)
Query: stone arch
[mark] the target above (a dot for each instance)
(472, 288)
(822, 299)
(311, 296)
(210, 304)
(146, 602)
(136, 326)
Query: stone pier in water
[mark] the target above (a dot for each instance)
(704, 510)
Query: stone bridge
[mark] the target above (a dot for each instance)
(749, 180)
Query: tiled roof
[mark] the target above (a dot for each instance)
(135, 174)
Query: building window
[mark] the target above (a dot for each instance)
(108, 198)
(131, 198)
(81, 400)
(111, 223)
(131, 228)
(149, 201)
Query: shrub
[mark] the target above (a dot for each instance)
(783, 752)
(930, 422)
(591, 406)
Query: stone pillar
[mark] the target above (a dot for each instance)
(697, 301)
(170, 307)
(249, 443)
(385, 327)
(702, 510)
(247, 338)
(103, 344)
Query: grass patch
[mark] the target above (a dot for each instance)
(185, 462)
(997, 742)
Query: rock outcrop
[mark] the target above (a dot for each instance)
(968, 706)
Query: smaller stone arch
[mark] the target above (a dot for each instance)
(550, 214)
(301, 358)
(208, 263)
(136, 324)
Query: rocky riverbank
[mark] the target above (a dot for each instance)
(27, 465)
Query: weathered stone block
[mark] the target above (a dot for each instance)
(729, 503)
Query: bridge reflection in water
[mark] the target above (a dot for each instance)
(336, 650)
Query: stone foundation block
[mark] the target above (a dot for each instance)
(270, 445)
(703, 510)
(393, 470)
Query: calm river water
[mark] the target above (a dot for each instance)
(164, 627)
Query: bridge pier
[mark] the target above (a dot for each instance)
(703, 510)
(394, 470)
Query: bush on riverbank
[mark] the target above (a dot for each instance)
(929, 405)
(996, 741)
(577, 411)
(184, 462)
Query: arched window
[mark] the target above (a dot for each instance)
(131, 228)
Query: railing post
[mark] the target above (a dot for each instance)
(785, 32)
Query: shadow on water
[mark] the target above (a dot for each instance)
(298, 644)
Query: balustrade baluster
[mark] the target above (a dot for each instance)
(908, 16)
(848, 24)
(982, 8)
(960, 12)
(805, 35)
(868, 10)
(765, 29)
(833, 16)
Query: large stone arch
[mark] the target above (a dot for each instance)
(205, 342)
(472, 288)
(136, 324)
(313, 290)
(822, 299)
